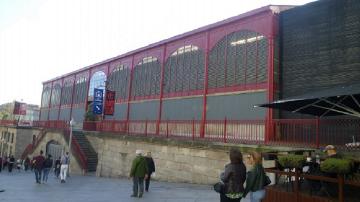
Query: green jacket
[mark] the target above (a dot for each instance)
(255, 180)
(139, 167)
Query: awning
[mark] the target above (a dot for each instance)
(344, 100)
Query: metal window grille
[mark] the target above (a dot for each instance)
(118, 82)
(55, 97)
(240, 58)
(66, 93)
(146, 78)
(45, 97)
(184, 70)
(80, 91)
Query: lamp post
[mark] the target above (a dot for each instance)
(72, 123)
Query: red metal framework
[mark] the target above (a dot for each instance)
(262, 21)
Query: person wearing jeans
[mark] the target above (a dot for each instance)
(47, 167)
(151, 169)
(256, 179)
(38, 163)
(138, 172)
(65, 160)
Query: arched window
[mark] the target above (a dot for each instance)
(80, 90)
(240, 58)
(146, 78)
(45, 100)
(97, 81)
(119, 80)
(67, 93)
(55, 95)
(184, 70)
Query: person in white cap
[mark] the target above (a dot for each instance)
(138, 172)
(331, 152)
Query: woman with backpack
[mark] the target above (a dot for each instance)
(233, 178)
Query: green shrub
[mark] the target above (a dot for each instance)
(339, 166)
(292, 161)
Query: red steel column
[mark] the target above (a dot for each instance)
(129, 92)
(269, 132)
(72, 97)
(52, 85)
(161, 89)
(106, 87)
(42, 94)
(317, 132)
(203, 118)
(62, 86)
(87, 90)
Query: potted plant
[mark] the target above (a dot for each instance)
(292, 161)
(336, 166)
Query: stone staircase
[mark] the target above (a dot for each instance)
(85, 146)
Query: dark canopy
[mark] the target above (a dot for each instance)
(336, 101)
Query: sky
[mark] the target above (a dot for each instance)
(44, 39)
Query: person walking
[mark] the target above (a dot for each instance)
(65, 160)
(38, 163)
(233, 178)
(138, 172)
(1, 163)
(18, 164)
(57, 167)
(27, 163)
(151, 169)
(11, 163)
(47, 167)
(256, 178)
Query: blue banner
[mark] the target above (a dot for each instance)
(98, 101)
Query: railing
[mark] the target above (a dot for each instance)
(77, 151)
(222, 131)
(51, 124)
(344, 133)
(302, 187)
(310, 133)
(8, 122)
(28, 150)
(31, 147)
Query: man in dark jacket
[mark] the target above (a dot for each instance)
(138, 172)
(27, 163)
(151, 169)
(38, 163)
(57, 167)
(11, 163)
(46, 168)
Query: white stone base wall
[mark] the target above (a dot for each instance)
(173, 163)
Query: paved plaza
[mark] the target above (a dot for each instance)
(22, 187)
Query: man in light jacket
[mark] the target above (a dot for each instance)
(65, 160)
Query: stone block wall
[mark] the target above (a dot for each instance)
(75, 168)
(173, 163)
(24, 137)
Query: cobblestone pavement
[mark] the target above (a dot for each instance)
(22, 187)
